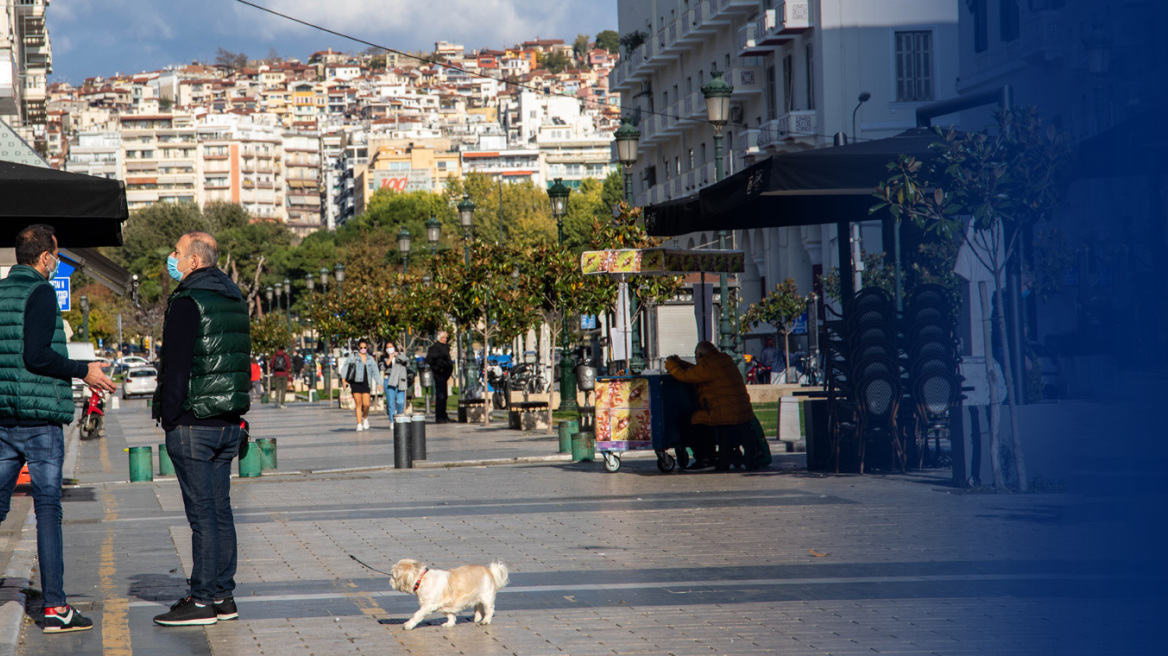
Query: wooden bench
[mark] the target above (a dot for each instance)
(528, 415)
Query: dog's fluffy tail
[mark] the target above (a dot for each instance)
(499, 574)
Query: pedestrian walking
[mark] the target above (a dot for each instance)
(297, 367)
(281, 370)
(359, 373)
(438, 357)
(395, 379)
(200, 401)
(36, 400)
(257, 379)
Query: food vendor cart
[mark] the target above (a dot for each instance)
(646, 409)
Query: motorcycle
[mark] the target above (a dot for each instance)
(758, 373)
(93, 419)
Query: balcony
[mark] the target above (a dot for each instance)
(671, 123)
(693, 105)
(793, 17)
(746, 144)
(1043, 36)
(745, 79)
(792, 126)
(732, 7)
(705, 19)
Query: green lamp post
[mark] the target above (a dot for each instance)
(717, 93)
(466, 211)
(628, 138)
(559, 194)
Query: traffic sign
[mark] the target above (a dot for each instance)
(61, 285)
(800, 325)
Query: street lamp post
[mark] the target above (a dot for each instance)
(433, 233)
(288, 304)
(559, 194)
(403, 245)
(269, 294)
(85, 318)
(466, 210)
(627, 140)
(310, 285)
(324, 364)
(717, 93)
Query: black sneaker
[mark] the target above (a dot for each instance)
(225, 609)
(187, 612)
(64, 619)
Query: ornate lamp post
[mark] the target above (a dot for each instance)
(339, 272)
(433, 233)
(403, 245)
(288, 304)
(269, 293)
(627, 140)
(310, 285)
(466, 210)
(85, 318)
(324, 364)
(559, 194)
(717, 93)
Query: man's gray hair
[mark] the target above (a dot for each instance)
(203, 245)
(441, 334)
(705, 348)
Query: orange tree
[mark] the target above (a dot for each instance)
(987, 189)
(780, 308)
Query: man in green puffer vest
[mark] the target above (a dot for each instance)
(36, 399)
(201, 398)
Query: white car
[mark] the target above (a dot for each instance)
(139, 381)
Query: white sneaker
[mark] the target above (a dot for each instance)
(360, 427)
(366, 423)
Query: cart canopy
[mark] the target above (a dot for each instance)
(661, 262)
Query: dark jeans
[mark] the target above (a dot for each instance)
(441, 391)
(202, 462)
(43, 448)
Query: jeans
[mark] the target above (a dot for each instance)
(395, 402)
(43, 448)
(202, 462)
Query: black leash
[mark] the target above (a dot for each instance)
(368, 567)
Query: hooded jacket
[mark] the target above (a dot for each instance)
(219, 368)
(721, 391)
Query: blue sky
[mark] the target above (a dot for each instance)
(103, 37)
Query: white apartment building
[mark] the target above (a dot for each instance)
(161, 158)
(798, 68)
(566, 153)
(26, 60)
(243, 164)
(302, 168)
(97, 153)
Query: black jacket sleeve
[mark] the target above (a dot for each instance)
(178, 350)
(40, 316)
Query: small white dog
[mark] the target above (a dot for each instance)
(441, 591)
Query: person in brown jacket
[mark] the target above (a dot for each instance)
(724, 409)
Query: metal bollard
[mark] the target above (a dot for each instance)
(567, 430)
(267, 446)
(250, 460)
(418, 438)
(165, 464)
(401, 443)
(141, 464)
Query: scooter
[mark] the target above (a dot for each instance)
(758, 373)
(93, 419)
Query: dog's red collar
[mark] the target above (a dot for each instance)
(419, 581)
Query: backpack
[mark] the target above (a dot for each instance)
(280, 363)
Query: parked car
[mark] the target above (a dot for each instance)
(139, 381)
(84, 352)
(124, 364)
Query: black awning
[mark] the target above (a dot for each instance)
(86, 210)
(825, 185)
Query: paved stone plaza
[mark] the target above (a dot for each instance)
(638, 562)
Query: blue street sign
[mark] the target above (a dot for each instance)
(61, 285)
(800, 325)
(588, 322)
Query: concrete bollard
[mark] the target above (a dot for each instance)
(165, 465)
(141, 463)
(418, 438)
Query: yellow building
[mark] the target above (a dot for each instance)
(406, 168)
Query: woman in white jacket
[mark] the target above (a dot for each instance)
(395, 379)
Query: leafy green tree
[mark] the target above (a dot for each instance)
(522, 211)
(269, 333)
(555, 62)
(985, 189)
(780, 308)
(609, 40)
(580, 48)
(614, 190)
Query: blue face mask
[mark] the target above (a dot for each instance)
(172, 267)
(55, 269)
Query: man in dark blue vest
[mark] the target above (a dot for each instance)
(201, 397)
(36, 400)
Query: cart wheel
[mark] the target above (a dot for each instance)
(665, 462)
(612, 462)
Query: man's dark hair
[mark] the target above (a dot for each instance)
(32, 241)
